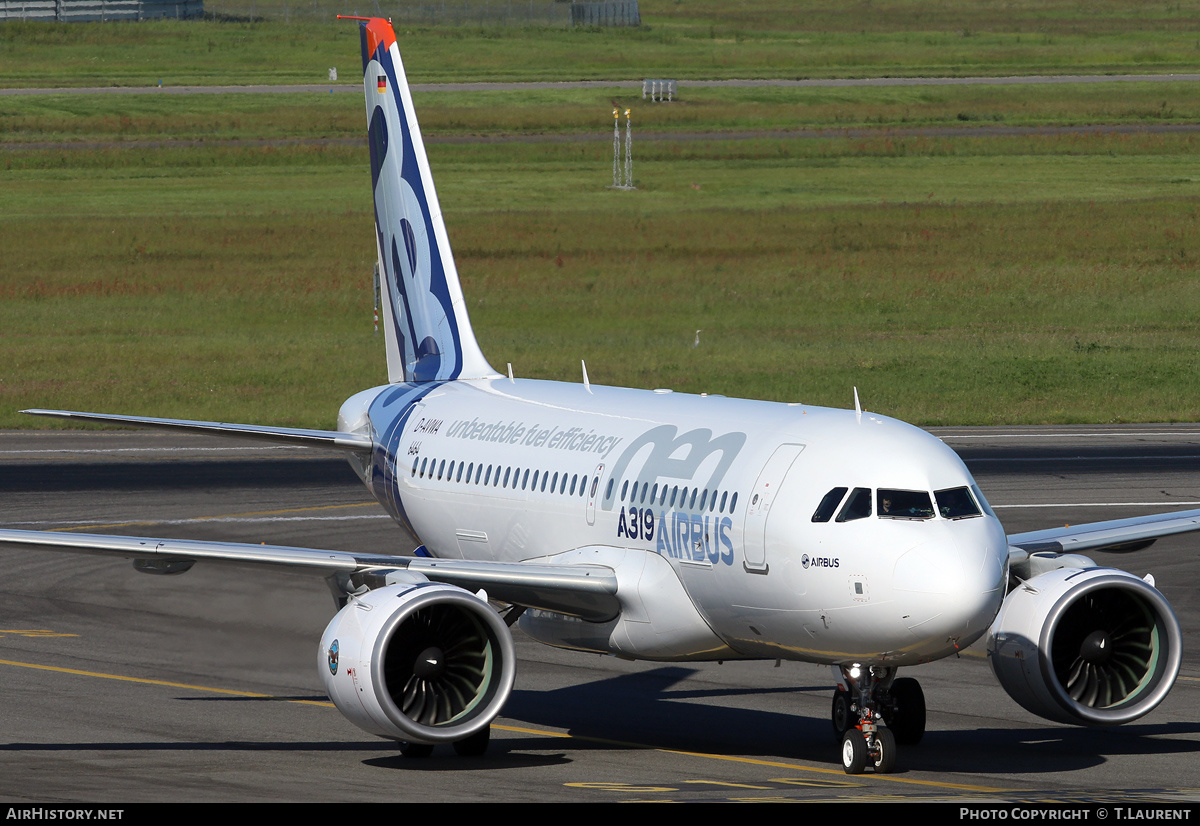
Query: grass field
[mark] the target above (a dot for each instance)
(696, 38)
(76, 117)
(210, 256)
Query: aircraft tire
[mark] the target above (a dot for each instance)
(475, 745)
(415, 750)
(854, 752)
(843, 719)
(885, 751)
(906, 718)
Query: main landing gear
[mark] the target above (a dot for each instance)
(472, 746)
(872, 713)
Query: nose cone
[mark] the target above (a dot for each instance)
(949, 588)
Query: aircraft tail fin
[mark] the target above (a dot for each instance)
(427, 330)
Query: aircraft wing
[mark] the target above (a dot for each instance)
(334, 439)
(1114, 535)
(586, 591)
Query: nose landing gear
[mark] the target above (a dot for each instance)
(867, 698)
(877, 748)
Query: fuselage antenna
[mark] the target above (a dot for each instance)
(857, 407)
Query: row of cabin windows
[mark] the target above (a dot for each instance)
(694, 499)
(686, 498)
(501, 477)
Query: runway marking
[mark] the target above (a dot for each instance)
(252, 516)
(81, 524)
(167, 683)
(263, 517)
(1098, 505)
(820, 770)
(539, 732)
(1069, 435)
(1079, 458)
(105, 450)
(752, 761)
(35, 632)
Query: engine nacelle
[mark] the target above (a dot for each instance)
(423, 663)
(1096, 646)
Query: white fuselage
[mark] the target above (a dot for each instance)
(723, 491)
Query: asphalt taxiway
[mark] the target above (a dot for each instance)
(120, 687)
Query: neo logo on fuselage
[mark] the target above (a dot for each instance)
(675, 456)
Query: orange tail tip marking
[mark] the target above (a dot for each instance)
(379, 31)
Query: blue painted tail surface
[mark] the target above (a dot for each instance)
(428, 333)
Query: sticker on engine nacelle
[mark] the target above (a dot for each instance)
(333, 657)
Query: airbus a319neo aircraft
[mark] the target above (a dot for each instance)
(661, 526)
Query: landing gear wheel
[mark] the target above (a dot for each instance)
(842, 717)
(415, 749)
(883, 749)
(854, 752)
(905, 714)
(475, 745)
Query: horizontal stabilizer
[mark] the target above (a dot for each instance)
(296, 436)
(1114, 535)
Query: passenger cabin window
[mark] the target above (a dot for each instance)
(829, 503)
(858, 506)
(956, 503)
(904, 504)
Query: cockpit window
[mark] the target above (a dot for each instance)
(956, 503)
(829, 503)
(858, 506)
(904, 504)
(982, 500)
